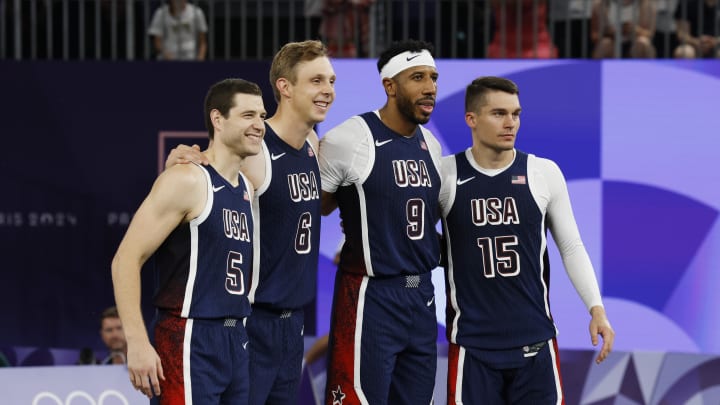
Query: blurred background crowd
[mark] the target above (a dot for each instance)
(255, 29)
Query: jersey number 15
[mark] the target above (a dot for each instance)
(500, 256)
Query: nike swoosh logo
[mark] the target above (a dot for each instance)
(216, 189)
(431, 301)
(463, 181)
(381, 143)
(409, 58)
(276, 157)
(245, 345)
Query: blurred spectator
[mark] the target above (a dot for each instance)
(343, 21)
(313, 11)
(3, 360)
(111, 332)
(86, 357)
(570, 21)
(635, 20)
(179, 31)
(665, 39)
(697, 29)
(530, 31)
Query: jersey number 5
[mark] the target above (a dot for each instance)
(500, 256)
(235, 281)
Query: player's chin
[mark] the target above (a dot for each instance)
(422, 118)
(253, 147)
(319, 115)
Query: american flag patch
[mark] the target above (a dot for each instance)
(423, 146)
(518, 180)
(310, 152)
(246, 196)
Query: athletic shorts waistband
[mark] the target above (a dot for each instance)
(270, 311)
(404, 281)
(226, 322)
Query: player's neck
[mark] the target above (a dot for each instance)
(226, 163)
(489, 158)
(393, 119)
(290, 128)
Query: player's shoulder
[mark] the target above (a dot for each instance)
(346, 134)
(543, 165)
(433, 144)
(428, 134)
(183, 176)
(448, 160)
(354, 123)
(181, 187)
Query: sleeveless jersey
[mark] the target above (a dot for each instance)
(204, 266)
(497, 274)
(389, 218)
(287, 226)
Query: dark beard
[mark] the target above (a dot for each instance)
(407, 110)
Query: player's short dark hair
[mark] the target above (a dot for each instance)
(285, 61)
(221, 97)
(399, 47)
(110, 312)
(477, 90)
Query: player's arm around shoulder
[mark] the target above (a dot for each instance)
(314, 140)
(178, 195)
(254, 169)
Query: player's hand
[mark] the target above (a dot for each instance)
(145, 369)
(184, 154)
(599, 325)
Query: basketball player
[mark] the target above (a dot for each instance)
(496, 204)
(287, 213)
(381, 169)
(199, 220)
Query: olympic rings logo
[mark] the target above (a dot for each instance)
(82, 396)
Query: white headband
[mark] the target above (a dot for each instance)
(405, 60)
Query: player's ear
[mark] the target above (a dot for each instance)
(283, 86)
(390, 86)
(470, 119)
(216, 118)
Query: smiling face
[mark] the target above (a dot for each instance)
(313, 91)
(416, 89)
(496, 121)
(243, 128)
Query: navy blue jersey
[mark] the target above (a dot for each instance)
(498, 274)
(287, 215)
(204, 266)
(389, 219)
